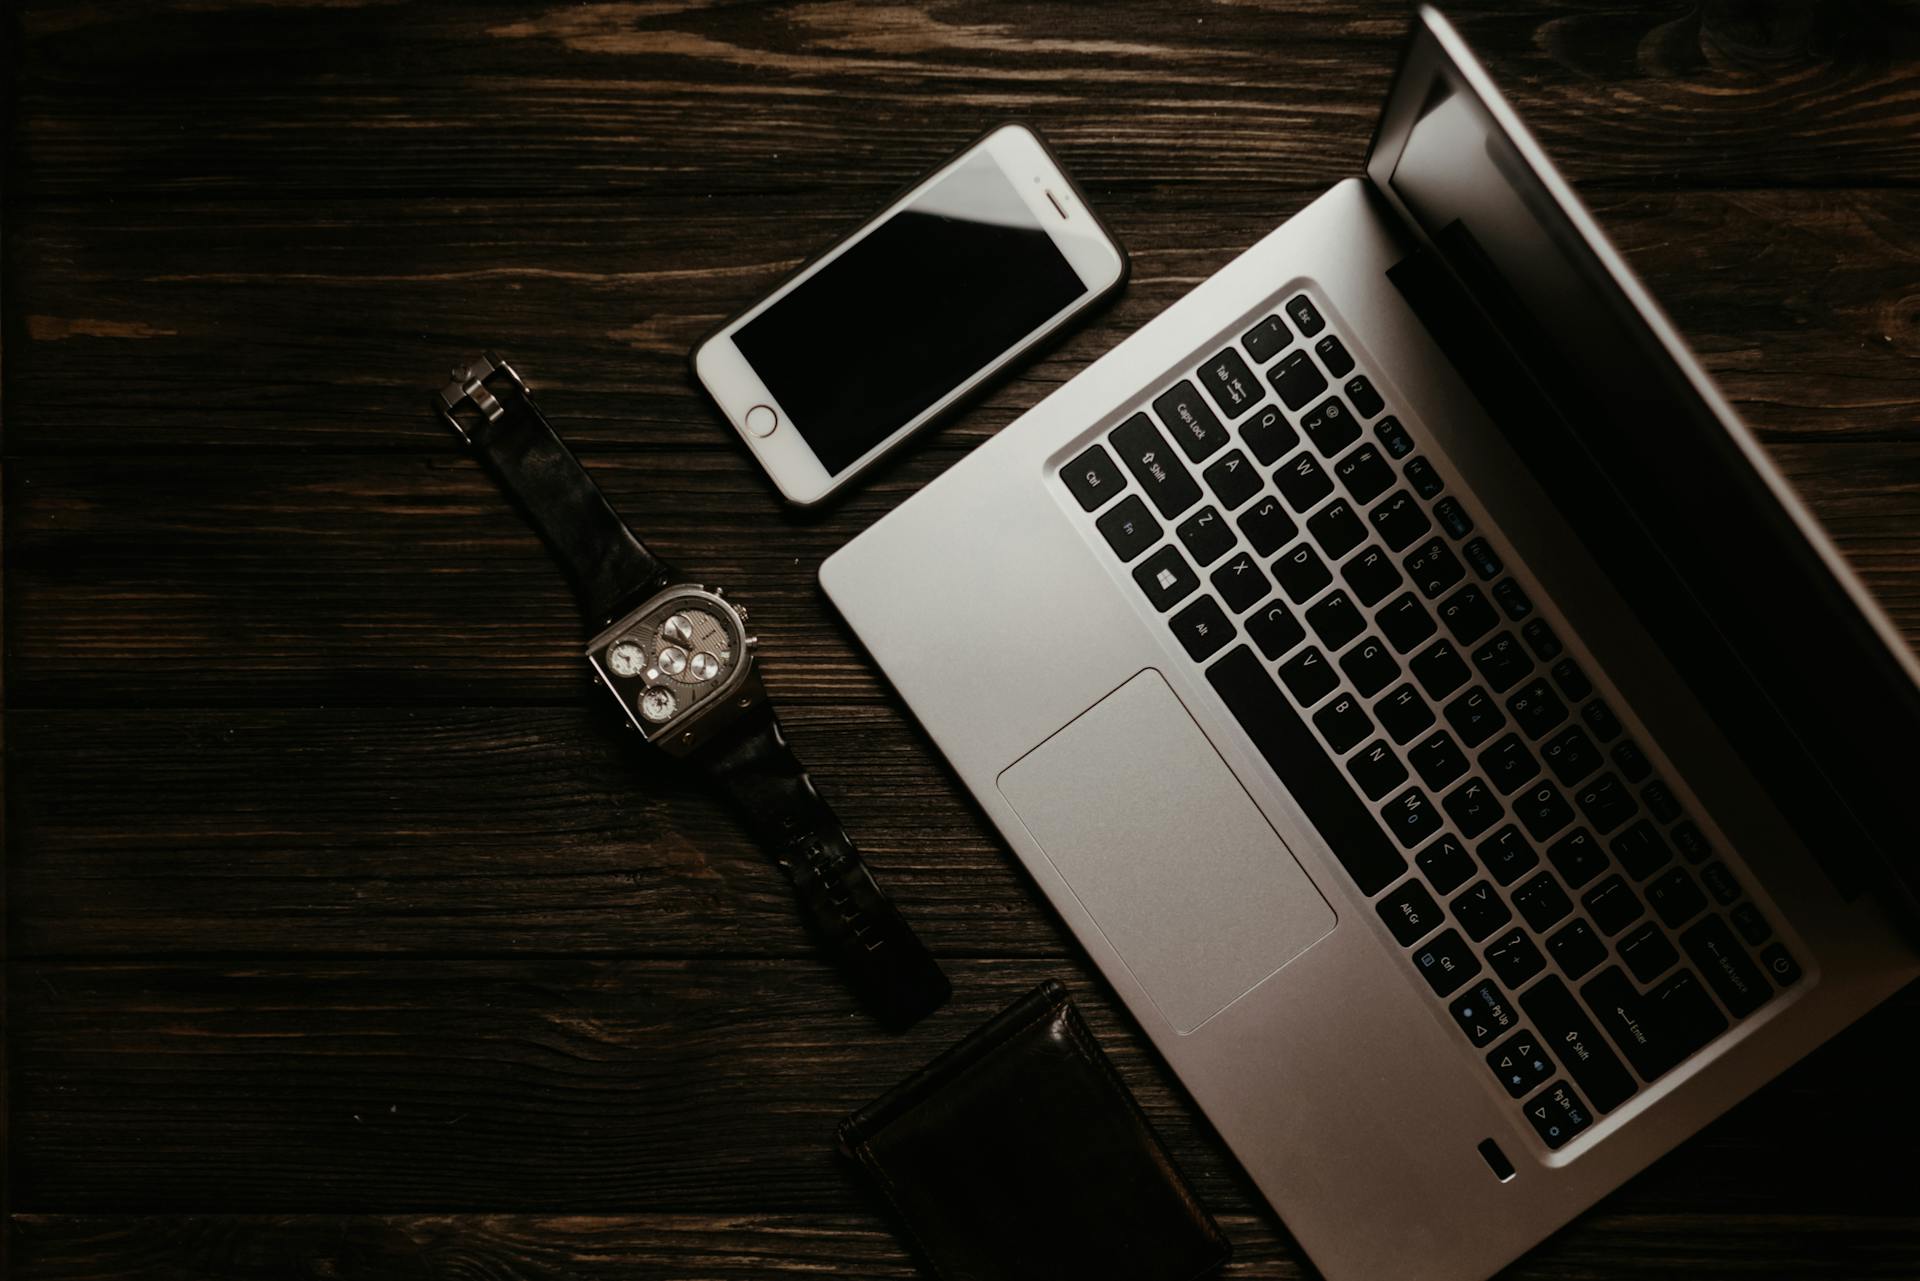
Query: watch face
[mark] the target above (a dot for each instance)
(671, 657)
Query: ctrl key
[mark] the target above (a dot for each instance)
(1557, 1115)
(1446, 963)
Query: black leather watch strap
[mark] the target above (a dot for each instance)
(877, 951)
(610, 569)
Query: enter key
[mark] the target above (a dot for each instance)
(1659, 1028)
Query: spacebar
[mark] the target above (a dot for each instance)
(1317, 784)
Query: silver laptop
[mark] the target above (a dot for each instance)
(1424, 701)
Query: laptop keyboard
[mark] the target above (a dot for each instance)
(1367, 634)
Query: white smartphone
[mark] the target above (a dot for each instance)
(987, 256)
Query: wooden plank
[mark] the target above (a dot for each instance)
(216, 581)
(489, 831)
(257, 97)
(751, 1247)
(618, 1087)
(316, 325)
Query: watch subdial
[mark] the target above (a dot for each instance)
(678, 629)
(627, 658)
(703, 666)
(672, 660)
(658, 704)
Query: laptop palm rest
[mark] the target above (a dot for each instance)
(1161, 844)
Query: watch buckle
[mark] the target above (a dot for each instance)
(469, 386)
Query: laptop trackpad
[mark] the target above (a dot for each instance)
(1163, 846)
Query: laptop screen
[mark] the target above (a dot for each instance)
(1654, 478)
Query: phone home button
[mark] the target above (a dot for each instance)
(761, 420)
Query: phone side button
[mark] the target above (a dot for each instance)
(761, 420)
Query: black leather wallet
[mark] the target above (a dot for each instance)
(1018, 1155)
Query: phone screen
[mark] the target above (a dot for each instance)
(908, 312)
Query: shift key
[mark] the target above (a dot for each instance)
(1153, 463)
(1569, 1035)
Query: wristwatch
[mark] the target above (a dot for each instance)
(678, 659)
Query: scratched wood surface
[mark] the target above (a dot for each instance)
(343, 937)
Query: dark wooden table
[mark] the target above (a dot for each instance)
(344, 939)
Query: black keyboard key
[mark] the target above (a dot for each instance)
(1446, 962)
(1542, 810)
(1571, 755)
(1275, 630)
(1302, 481)
(1335, 619)
(1571, 1035)
(1474, 715)
(1446, 863)
(1403, 714)
(1631, 761)
(1734, 977)
(1520, 1064)
(1601, 720)
(1410, 912)
(1433, 567)
(1301, 573)
(1405, 622)
(1165, 480)
(1576, 949)
(1393, 437)
(1424, 478)
(1541, 640)
(1675, 898)
(1206, 536)
(1780, 963)
(1515, 958)
(1453, 518)
(1648, 952)
(1612, 905)
(1309, 677)
(1606, 803)
(1439, 667)
(1230, 383)
(1365, 474)
(1577, 856)
(1376, 771)
(1641, 850)
(1371, 575)
(1400, 521)
(1344, 722)
(1467, 615)
(1572, 681)
(1480, 554)
(1202, 628)
(1437, 759)
(1411, 817)
(1751, 923)
(1502, 662)
(1720, 882)
(1512, 599)
(1315, 782)
(1557, 1115)
(1658, 1030)
(1268, 435)
(1241, 582)
(1541, 902)
(1166, 578)
(1232, 479)
(1365, 399)
(1334, 355)
(1129, 528)
(1331, 426)
(1305, 316)
(1536, 708)
(1508, 763)
(1336, 528)
(1186, 416)
(1370, 667)
(1093, 477)
(1659, 800)
(1508, 855)
(1483, 1013)
(1267, 339)
(1691, 843)
(1267, 526)
(1474, 807)
(1297, 379)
